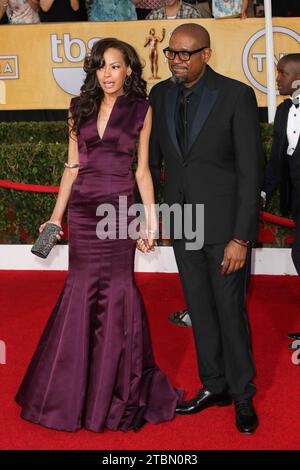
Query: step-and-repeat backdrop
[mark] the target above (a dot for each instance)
(41, 65)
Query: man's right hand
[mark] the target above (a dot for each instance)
(234, 257)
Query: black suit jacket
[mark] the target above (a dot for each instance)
(277, 172)
(222, 169)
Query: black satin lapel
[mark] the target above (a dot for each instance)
(170, 101)
(207, 102)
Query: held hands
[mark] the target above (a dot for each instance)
(145, 245)
(234, 257)
(147, 241)
(57, 222)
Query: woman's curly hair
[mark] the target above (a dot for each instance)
(91, 94)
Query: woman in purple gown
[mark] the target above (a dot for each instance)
(93, 366)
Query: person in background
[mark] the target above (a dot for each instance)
(229, 8)
(173, 10)
(250, 9)
(144, 7)
(3, 19)
(88, 6)
(62, 10)
(259, 8)
(203, 6)
(286, 8)
(112, 10)
(283, 169)
(20, 11)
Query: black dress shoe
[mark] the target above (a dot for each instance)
(294, 335)
(203, 399)
(245, 416)
(180, 318)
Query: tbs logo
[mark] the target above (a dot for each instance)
(67, 50)
(254, 55)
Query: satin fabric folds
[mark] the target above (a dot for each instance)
(93, 366)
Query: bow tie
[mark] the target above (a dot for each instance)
(295, 102)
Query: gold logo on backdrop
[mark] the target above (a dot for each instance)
(68, 50)
(255, 59)
(9, 69)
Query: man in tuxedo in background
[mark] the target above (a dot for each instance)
(283, 168)
(206, 129)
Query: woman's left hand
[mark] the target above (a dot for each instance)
(145, 245)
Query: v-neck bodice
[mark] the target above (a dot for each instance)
(111, 156)
(109, 118)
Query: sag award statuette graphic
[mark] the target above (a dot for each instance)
(152, 41)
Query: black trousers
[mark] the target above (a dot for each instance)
(217, 306)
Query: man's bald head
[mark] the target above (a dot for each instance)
(196, 31)
(292, 58)
(193, 38)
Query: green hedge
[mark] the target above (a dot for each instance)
(22, 212)
(33, 132)
(34, 152)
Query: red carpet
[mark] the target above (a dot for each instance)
(274, 310)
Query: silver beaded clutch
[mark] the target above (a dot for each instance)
(46, 240)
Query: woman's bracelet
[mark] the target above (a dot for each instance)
(71, 165)
(151, 231)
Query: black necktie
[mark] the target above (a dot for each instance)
(182, 120)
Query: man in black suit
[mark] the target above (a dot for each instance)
(206, 129)
(283, 168)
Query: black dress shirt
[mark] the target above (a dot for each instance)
(188, 101)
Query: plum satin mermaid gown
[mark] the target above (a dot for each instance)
(93, 367)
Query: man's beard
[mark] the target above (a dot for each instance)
(178, 80)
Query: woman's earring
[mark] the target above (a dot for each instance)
(128, 81)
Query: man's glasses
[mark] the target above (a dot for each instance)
(183, 55)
